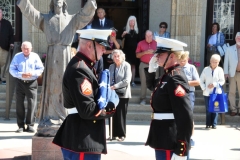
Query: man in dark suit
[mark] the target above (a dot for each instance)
(101, 22)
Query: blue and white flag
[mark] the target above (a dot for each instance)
(104, 91)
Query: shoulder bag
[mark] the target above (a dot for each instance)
(222, 49)
(218, 103)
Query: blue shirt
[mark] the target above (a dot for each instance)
(21, 64)
(191, 74)
(164, 35)
(220, 39)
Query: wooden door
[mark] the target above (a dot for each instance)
(13, 14)
(226, 13)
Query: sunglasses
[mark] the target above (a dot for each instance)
(162, 26)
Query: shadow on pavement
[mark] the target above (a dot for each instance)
(235, 149)
(16, 137)
(127, 143)
(26, 157)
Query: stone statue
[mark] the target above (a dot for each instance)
(59, 28)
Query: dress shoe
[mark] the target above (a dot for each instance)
(233, 114)
(20, 130)
(208, 127)
(30, 129)
(214, 127)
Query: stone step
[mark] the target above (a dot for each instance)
(13, 106)
(198, 117)
(135, 107)
(136, 99)
(3, 96)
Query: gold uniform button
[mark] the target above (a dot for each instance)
(113, 108)
(181, 149)
(180, 154)
(94, 121)
(182, 143)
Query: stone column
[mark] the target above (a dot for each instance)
(188, 19)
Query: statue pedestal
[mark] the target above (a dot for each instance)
(43, 148)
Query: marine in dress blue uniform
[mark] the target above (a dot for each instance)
(172, 122)
(82, 135)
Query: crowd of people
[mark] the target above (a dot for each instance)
(163, 68)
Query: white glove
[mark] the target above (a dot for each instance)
(176, 157)
(153, 64)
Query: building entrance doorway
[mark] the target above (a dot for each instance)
(119, 11)
(226, 13)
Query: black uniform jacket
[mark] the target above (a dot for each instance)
(6, 34)
(82, 131)
(170, 95)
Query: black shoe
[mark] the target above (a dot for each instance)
(208, 127)
(30, 129)
(20, 130)
(214, 127)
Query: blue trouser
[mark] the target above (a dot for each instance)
(211, 118)
(69, 155)
(163, 154)
(192, 99)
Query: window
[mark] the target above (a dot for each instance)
(223, 13)
(8, 8)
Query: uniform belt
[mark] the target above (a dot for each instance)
(161, 116)
(27, 81)
(72, 110)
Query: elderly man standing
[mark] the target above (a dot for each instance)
(232, 71)
(6, 41)
(82, 134)
(26, 66)
(144, 51)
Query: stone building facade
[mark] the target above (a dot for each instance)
(186, 20)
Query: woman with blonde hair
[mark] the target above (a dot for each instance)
(120, 76)
(130, 38)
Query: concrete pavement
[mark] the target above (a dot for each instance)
(222, 143)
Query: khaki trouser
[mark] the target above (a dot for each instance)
(234, 83)
(143, 80)
(3, 57)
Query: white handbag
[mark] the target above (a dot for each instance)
(222, 49)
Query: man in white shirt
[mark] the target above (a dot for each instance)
(232, 72)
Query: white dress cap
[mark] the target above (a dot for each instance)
(171, 44)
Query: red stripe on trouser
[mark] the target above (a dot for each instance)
(81, 156)
(168, 155)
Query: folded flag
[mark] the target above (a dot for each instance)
(104, 91)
